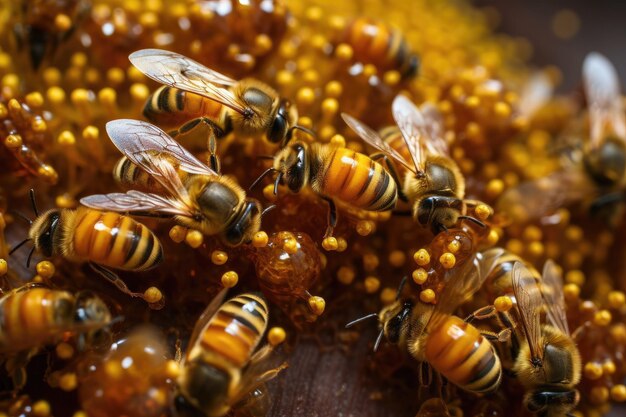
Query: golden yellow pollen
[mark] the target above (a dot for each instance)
(11, 81)
(139, 92)
(571, 292)
(113, 369)
(79, 59)
(13, 141)
(447, 260)
(574, 233)
(268, 193)
(80, 96)
(39, 125)
(372, 284)
(493, 237)
(454, 246)
(276, 336)
(178, 233)
(338, 141)
(344, 52)
(64, 351)
(535, 249)
(616, 299)
(472, 102)
(4, 267)
(260, 239)
(421, 257)
(37, 279)
(52, 76)
(608, 367)
(284, 78)
(592, 370)
(34, 100)
(41, 408)
(68, 381)
(305, 96)
(90, 133)
(263, 43)
(618, 393)
(45, 269)
(387, 296)
(330, 243)
(153, 295)
(503, 303)
(602, 318)
(333, 89)
(575, 276)
(397, 258)
(391, 78)
(532, 233)
(364, 227)
(330, 106)
(419, 276)
(115, 76)
(599, 395)
(219, 257)
(80, 414)
(516, 246)
(342, 244)
(66, 138)
(345, 275)
(290, 246)
(427, 296)
(317, 305)
(172, 369)
(55, 95)
(107, 96)
(230, 279)
(194, 238)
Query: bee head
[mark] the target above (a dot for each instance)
(551, 402)
(291, 163)
(393, 319)
(43, 229)
(607, 163)
(245, 225)
(203, 390)
(282, 123)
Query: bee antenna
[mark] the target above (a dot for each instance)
(360, 319)
(401, 286)
(379, 339)
(30, 255)
(21, 216)
(265, 157)
(277, 182)
(116, 320)
(263, 175)
(268, 209)
(303, 129)
(474, 220)
(19, 245)
(33, 202)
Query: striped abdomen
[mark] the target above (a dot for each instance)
(394, 138)
(172, 107)
(499, 281)
(235, 330)
(114, 240)
(381, 45)
(357, 180)
(33, 317)
(459, 352)
(129, 175)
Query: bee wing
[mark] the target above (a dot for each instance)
(552, 295)
(135, 138)
(205, 317)
(534, 199)
(535, 93)
(529, 303)
(605, 105)
(462, 283)
(136, 201)
(372, 138)
(411, 123)
(178, 71)
(433, 130)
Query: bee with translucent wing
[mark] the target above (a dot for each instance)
(200, 199)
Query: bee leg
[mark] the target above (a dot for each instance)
(482, 314)
(392, 171)
(214, 162)
(332, 217)
(425, 374)
(194, 123)
(16, 368)
(605, 200)
(114, 279)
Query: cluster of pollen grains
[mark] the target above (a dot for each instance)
(65, 73)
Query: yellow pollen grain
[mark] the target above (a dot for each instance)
(345, 275)
(575, 276)
(372, 285)
(276, 336)
(503, 303)
(4, 267)
(260, 239)
(364, 227)
(616, 299)
(219, 257)
(330, 243)
(55, 95)
(618, 393)
(64, 351)
(305, 96)
(421, 257)
(397, 258)
(592, 370)
(317, 305)
(602, 318)
(178, 233)
(427, 296)
(333, 89)
(194, 238)
(454, 246)
(344, 52)
(230, 279)
(68, 381)
(66, 138)
(45, 269)
(571, 292)
(387, 295)
(419, 276)
(153, 295)
(139, 92)
(41, 408)
(599, 395)
(447, 260)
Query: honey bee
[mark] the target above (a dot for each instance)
(374, 42)
(431, 334)
(34, 315)
(192, 91)
(198, 197)
(220, 368)
(334, 173)
(433, 182)
(104, 239)
(548, 363)
(593, 172)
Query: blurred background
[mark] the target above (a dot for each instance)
(562, 32)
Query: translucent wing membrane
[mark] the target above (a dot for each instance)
(136, 201)
(553, 296)
(529, 303)
(433, 130)
(178, 71)
(411, 124)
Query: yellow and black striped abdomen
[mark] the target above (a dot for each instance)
(31, 317)
(236, 329)
(499, 281)
(381, 45)
(358, 180)
(394, 138)
(129, 175)
(459, 352)
(170, 106)
(114, 240)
